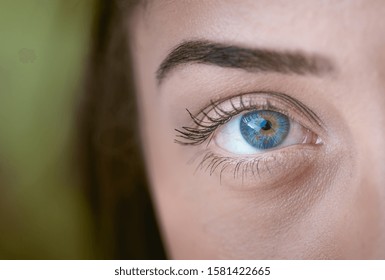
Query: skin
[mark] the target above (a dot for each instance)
(324, 201)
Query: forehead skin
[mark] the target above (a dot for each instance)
(202, 219)
(265, 23)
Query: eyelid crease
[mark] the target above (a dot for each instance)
(205, 124)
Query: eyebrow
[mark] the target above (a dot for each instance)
(251, 60)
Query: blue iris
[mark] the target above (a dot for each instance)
(264, 129)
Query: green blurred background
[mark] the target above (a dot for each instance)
(43, 49)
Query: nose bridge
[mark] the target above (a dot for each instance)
(375, 129)
(363, 110)
(381, 131)
(374, 152)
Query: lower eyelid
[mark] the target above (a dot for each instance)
(267, 170)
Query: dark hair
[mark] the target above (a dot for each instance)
(115, 179)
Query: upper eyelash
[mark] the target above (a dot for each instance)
(204, 129)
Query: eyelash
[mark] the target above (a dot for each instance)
(199, 134)
(204, 127)
(212, 162)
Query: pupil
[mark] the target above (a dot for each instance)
(266, 125)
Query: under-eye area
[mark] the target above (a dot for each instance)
(260, 136)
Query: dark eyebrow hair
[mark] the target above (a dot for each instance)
(252, 60)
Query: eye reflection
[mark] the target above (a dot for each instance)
(260, 130)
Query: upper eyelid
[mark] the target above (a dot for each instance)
(304, 111)
(197, 135)
(308, 112)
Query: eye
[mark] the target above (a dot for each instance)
(260, 130)
(245, 136)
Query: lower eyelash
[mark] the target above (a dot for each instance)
(241, 166)
(270, 168)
